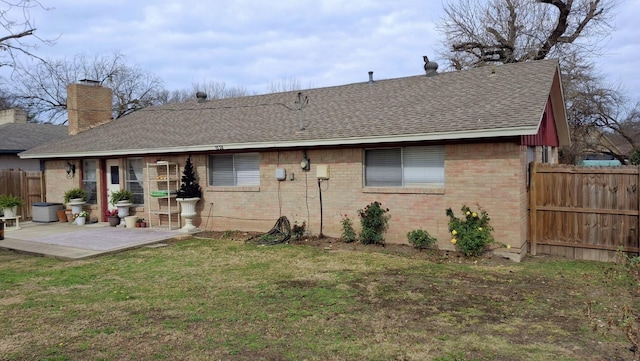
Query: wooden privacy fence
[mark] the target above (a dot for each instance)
(584, 212)
(27, 185)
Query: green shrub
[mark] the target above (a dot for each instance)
(472, 233)
(298, 230)
(348, 233)
(10, 201)
(374, 222)
(635, 157)
(421, 239)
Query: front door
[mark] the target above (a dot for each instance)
(113, 178)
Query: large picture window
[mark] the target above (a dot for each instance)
(405, 167)
(89, 184)
(234, 169)
(135, 180)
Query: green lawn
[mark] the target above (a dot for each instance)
(224, 300)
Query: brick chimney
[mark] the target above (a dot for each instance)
(13, 116)
(88, 105)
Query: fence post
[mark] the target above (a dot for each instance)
(532, 207)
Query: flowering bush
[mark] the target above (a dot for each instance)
(373, 222)
(81, 214)
(472, 233)
(348, 233)
(421, 239)
(111, 213)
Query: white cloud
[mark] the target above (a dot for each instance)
(254, 42)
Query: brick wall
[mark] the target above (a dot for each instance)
(492, 175)
(88, 105)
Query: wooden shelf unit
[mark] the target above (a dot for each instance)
(163, 210)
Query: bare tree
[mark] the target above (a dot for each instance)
(17, 26)
(601, 118)
(213, 89)
(508, 31)
(41, 88)
(284, 85)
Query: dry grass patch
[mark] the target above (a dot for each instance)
(205, 299)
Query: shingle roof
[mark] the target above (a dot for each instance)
(501, 100)
(17, 137)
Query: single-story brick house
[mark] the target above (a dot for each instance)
(419, 144)
(18, 135)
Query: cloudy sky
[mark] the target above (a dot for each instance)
(254, 43)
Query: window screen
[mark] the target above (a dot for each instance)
(404, 167)
(234, 170)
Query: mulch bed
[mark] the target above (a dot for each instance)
(337, 245)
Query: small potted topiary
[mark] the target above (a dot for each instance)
(188, 195)
(9, 204)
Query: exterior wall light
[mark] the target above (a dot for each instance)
(70, 169)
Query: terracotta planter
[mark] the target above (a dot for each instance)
(62, 215)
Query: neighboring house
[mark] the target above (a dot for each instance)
(16, 135)
(626, 145)
(595, 147)
(418, 144)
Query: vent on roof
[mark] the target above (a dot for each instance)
(371, 77)
(201, 96)
(430, 67)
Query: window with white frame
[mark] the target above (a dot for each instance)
(89, 183)
(405, 167)
(134, 179)
(234, 169)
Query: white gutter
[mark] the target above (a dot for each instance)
(482, 133)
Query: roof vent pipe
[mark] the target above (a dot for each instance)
(371, 77)
(201, 96)
(430, 67)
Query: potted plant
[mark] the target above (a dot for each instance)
(9, 204)
(122, 199)
(121, 196)
(112, 217)
(188, 195)
(75, 195)
(81, 217)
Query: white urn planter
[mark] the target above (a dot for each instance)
(188, 211)
(123, 210)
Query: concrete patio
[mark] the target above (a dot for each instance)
(68, 241)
